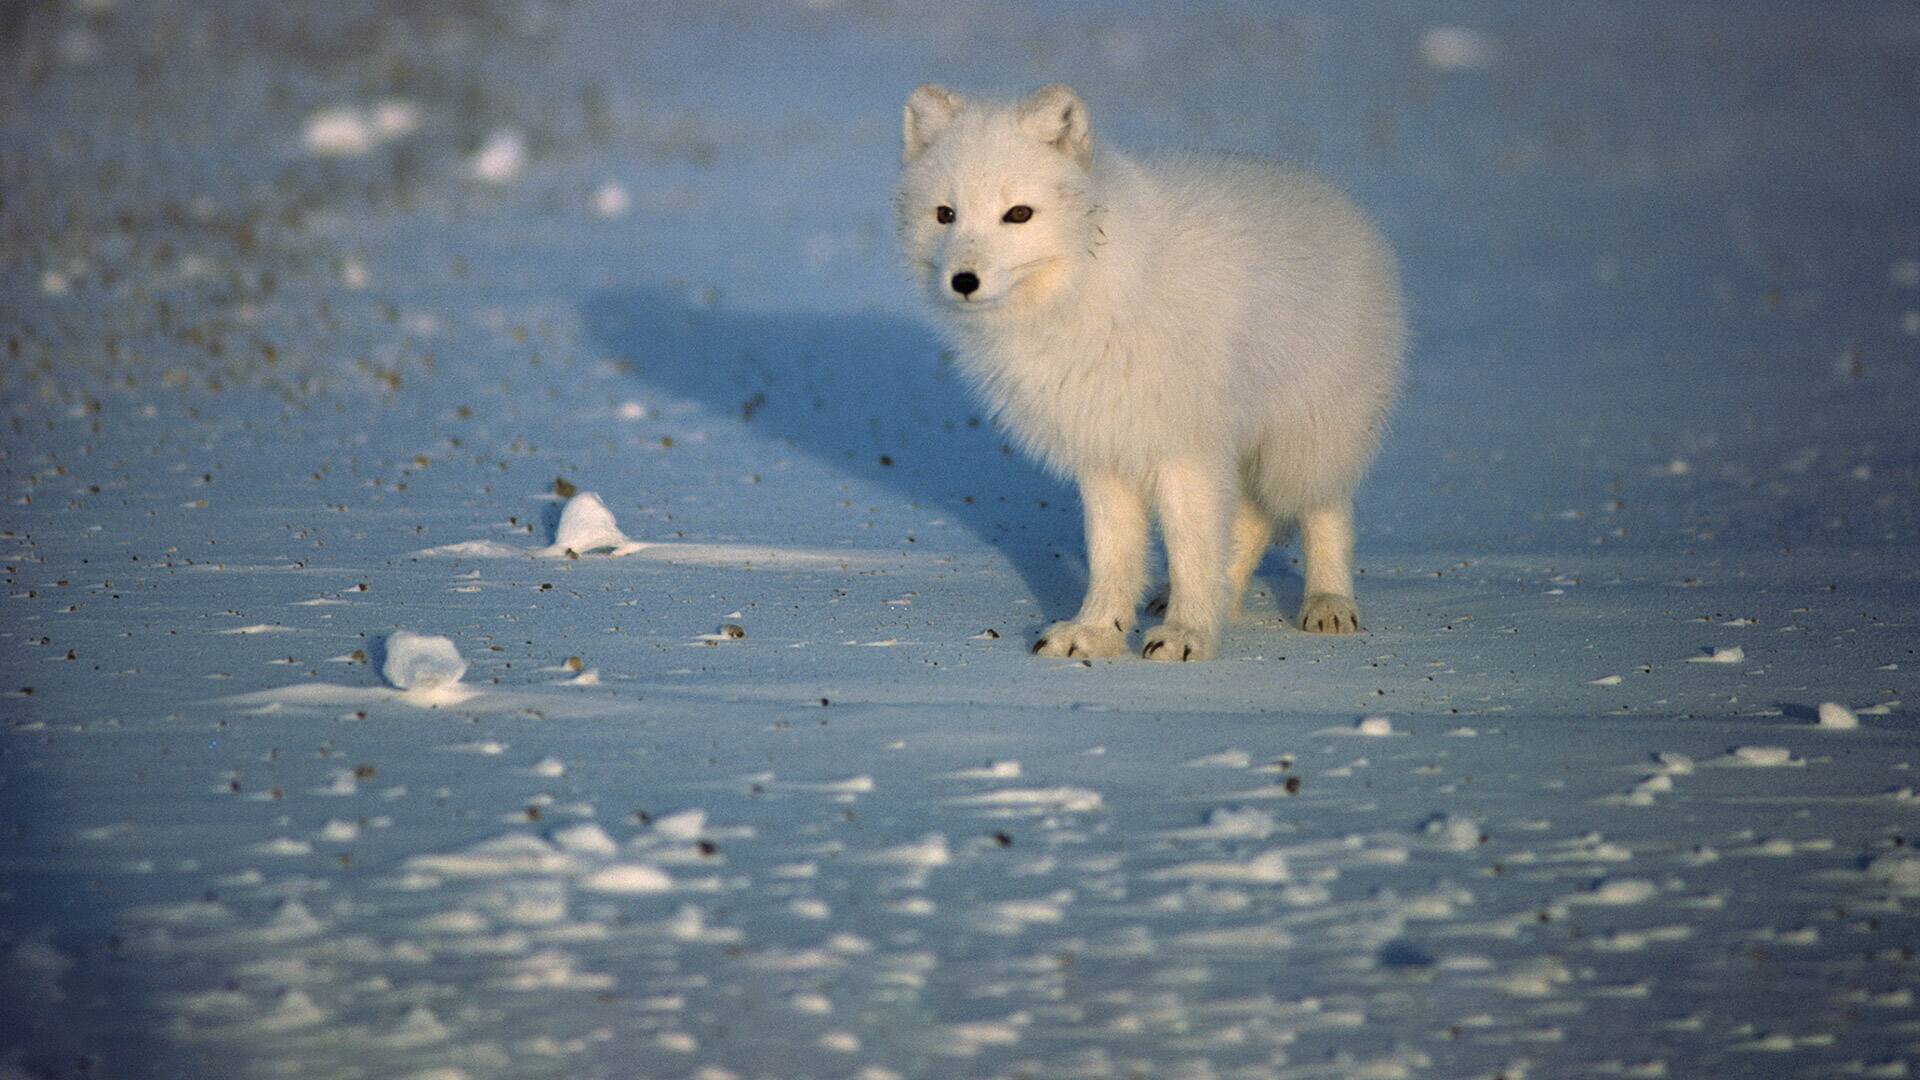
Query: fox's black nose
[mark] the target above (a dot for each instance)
(965, 282)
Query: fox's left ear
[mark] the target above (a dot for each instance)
(1055, 115)
(929, 108)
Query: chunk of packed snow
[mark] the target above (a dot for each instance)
(628, 879)
(1731, 654)
(1901, 870)
(612, 200)
(1837, 717)
(338, 132)
(502, 158)
(586, 525)
(1445, 832)
(686, 825)
(422, 661)
(1764, 757)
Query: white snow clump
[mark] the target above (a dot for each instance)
(1837, 717)
(586, 525)
(422, 661)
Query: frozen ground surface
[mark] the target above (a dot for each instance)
(294, 293)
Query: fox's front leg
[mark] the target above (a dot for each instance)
(1195, 505)
(1116, 525)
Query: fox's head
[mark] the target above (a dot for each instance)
(994, 203)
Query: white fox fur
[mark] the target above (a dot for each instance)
(1212, 342)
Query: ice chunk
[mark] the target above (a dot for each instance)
(502, 158)
(337, 132)
(586, 525)
(1837, 717)
(586, 837)
(1900, 870)
(422, 661)
(1445, 832)
(687, 825)
(628, 879)
(1732, 654)
(612, 200)
(1763, 757)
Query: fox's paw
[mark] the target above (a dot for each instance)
(1172, 641)
(1329, 613)
(1081, 640)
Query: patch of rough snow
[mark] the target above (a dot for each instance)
(1070, 799)
(1266, 868)
(992, 770)
(1229, 823)
(1225, 759)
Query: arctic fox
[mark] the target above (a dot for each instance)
(1210, 341)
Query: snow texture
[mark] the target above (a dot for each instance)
(328, 321)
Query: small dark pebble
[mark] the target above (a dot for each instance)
(734, 631)
(1003, 839)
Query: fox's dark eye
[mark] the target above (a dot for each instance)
(1017, 214)
(943, 215)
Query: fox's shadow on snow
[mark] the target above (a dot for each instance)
(873, 397)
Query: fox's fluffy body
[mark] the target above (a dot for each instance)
(1208, 340)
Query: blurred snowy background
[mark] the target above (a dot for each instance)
(314, 313)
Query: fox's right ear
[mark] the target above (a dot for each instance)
(929, 108)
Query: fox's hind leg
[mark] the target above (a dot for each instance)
(1326, 545)
(1254, 531)
(1252, 535)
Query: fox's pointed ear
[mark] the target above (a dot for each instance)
(929, 108)
(1055, 115)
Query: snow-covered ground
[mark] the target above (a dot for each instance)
(315, 314)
